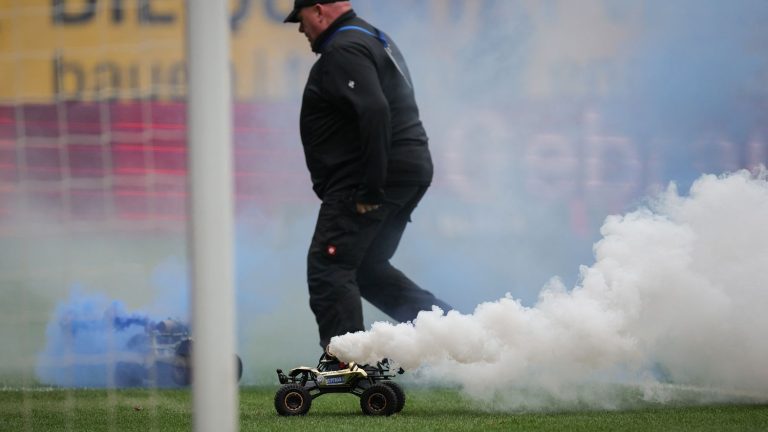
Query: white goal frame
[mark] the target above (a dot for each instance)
(211, 217)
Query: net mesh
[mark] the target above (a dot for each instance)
(93, 193)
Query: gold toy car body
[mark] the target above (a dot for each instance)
(378, 394)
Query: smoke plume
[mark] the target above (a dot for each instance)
(86, 337)
(676, 297)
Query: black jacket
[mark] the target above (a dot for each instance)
(360, 124)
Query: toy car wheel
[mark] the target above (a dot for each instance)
(239, 367)
(181, 375)
(129, 375)
(378, 399)
(184, 349)
(182, 369)
(162, 375)
(292, 400)
(398, 392)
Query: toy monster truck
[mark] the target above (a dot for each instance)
(378, 394)
(159, 357)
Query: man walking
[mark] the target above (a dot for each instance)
(367, 154)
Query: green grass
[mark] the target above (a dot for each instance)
(426, 410)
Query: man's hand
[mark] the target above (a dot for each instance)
(365, 208)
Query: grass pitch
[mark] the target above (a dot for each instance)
(427, 409)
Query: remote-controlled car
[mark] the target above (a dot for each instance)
(378, 394)
(159, 357)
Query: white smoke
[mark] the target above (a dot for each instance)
(678, 294)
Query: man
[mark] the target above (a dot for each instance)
(367, 155)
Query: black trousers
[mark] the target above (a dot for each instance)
(349, 259)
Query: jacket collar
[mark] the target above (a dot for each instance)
(319, 43)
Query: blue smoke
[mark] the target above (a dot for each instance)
(122, 323)
(89, 333)
(86, 336)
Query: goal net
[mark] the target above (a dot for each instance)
(94, 188)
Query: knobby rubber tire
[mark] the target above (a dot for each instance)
(378, 400)
(399, 392)
(129, 375)
(292, 400)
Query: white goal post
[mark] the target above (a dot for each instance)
(209, 132)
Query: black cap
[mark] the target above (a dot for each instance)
(293, 17)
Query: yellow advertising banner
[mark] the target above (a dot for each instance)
(134, 49)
